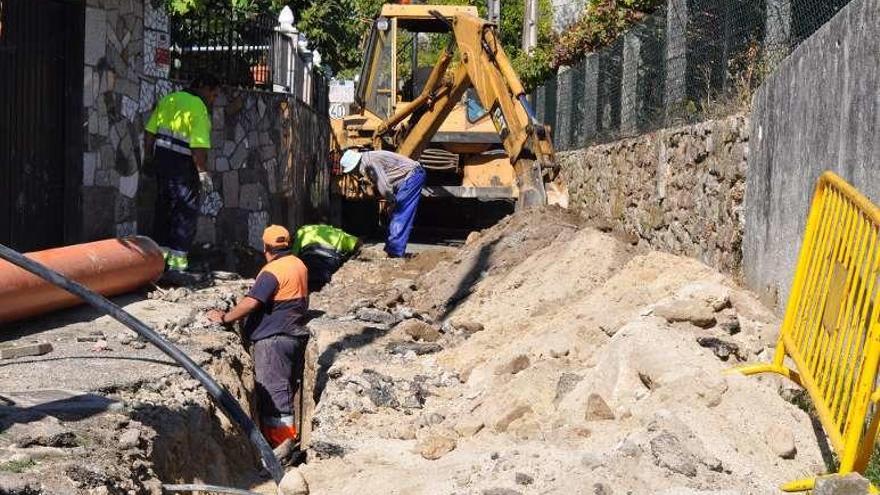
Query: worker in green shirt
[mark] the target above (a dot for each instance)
(177, 138)
(323, 249)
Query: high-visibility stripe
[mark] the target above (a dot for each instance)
(173, 146)
(173, 136)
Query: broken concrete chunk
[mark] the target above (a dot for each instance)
(419, 330)
(513, 366)
(468, 326)
(669, 453)
(419, 348)
(47, 432)
(434, 447)
(781, 441)
(523, 479)
(25, 350)
(567, 382)
(373, 315)
(850, 484)
(130, 438)
(597, 409)
(697, 313)
(511, 415)
(722, 349)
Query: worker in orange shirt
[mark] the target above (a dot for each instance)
(275, 308)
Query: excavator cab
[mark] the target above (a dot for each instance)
(436, 86)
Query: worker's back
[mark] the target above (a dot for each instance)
(282, 289)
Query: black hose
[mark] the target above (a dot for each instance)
(222, 396)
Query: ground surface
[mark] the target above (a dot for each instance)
(541, 357)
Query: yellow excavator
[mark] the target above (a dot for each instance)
(462, 112)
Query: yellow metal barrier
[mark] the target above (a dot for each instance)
(831, 331)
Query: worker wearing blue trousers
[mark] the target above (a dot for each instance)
(399, 180)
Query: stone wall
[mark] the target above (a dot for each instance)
(818, 111)
(268, 157)
(678, 190)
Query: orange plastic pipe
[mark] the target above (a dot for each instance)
(110, 267)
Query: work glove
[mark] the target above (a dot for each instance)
(206, 182)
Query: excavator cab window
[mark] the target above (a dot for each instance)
(475, 110)
(375, 91)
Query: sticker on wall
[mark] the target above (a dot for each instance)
(157, 53)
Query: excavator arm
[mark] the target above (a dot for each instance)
(483, 66)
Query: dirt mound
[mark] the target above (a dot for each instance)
(562, 361)
(492, 251)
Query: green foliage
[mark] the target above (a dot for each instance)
(533, 69)
(600, 24)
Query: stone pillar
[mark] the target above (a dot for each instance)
(629, 90)
(777, 37)
(565, 109)
(676, 54)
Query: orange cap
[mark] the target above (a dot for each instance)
(276, 236)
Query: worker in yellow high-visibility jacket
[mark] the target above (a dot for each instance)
(323, 248)
(176, 141)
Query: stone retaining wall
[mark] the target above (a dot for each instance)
(678, 190)
(268, 158)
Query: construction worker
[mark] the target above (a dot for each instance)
(177, 138)
(275, 308)
(399, 180)
(323, 248)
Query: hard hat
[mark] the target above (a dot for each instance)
(350, 160)
(276, 236)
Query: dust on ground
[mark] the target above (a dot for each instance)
(541, 357)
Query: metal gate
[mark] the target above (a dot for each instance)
(41, 46)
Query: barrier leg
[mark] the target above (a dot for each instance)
(776, 366)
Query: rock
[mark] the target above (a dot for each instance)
(712, 389)
(729, 324)
(47, 432)
(781, 441)
(434, 447)
(293, 483)
(523, 479)
(130, 438)
(468, 326)
(418, 348)
(695, 312)
(602, 489)
(373, 315)
(137, 344)
(511, 415)
(850, 484)
(472, 238)
(101, 346)
(513, 366)
(501, 491)
(597, 409)
(153, 487)
(404, 284)
(468, 426)
(381, 389)
(567, 382)
(722, 349)
(669, 453)
(25, 350)
(419, 330)
(326, 450)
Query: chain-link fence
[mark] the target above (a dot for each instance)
(690, 61)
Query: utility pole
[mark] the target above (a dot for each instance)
(530, 26)
(494, 7)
